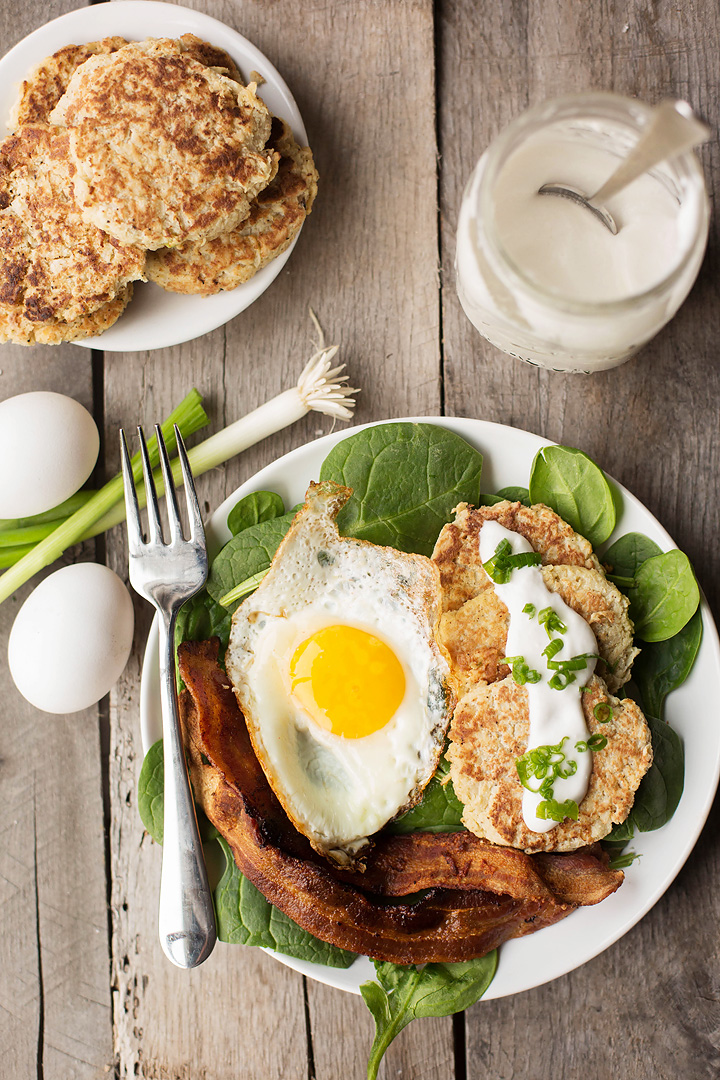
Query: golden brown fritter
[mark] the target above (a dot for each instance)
(490, 726)
(48, 81)
(54, 268)
(209, 55)
(474, 625)
(274, 221)
(489, 732)
(16, 327)
(166, 149)
(605, 609)
(456, 549)
(475, 634)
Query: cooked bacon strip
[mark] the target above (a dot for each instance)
(580, 877)
(480, 894)
(398, 865)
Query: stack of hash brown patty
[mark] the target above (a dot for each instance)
(138, 160)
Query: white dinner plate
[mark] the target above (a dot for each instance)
(155, 318)
(692, 710)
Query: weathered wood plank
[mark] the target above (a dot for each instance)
(54, 993)
(652, 424)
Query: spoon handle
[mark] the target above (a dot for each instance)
(674, 128)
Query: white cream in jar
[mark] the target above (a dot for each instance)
(540, 276)
(556, 715)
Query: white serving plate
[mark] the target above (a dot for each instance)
(156, 319)
(692, 710)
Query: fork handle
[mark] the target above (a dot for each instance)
(186, 920)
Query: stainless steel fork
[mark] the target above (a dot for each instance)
(168, 574)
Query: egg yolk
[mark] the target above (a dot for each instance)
(349, 681)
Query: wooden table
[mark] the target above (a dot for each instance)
(399, 99)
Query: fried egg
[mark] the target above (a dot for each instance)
(344, 688)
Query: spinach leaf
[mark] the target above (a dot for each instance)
(488, 500)
(201, 618)
(246, 554)
(151, 791)
(245, 917)
(439, 810)
(575, 487)
(627, 555)
(402, 994)
(406, 479)
(619, 835)
(664, 665)
(662, 785)
(664, 597)
(256, 507)
(515, 494)
(658, 795)
(151, 798)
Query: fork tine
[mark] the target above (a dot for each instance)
(176, 532)
(132, 510)
(193, 508)
(154, 526)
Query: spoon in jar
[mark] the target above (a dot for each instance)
(672, 130)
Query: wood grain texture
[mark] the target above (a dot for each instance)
(652, 424)
(55, 1018)
(363, 75)
(54, 992)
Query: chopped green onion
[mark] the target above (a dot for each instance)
(553, 648)
(557, 811)
(551, 621)
(561, 680)
(544, 763)
(521, 671)
(595, 742)
(501, 565)
(546, 789)
(603, 712)
(529, 610)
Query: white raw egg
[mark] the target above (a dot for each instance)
(71, 639)
(48, 446)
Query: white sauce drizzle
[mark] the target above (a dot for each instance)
(553, 713)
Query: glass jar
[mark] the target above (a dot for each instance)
(538, 275)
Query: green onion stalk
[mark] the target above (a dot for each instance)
(321, 388)
(189, 417)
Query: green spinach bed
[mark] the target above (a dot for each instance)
(406, 480)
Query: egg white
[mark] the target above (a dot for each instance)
(339, 791)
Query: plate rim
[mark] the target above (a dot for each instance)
(340, 978)
(82, 23)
